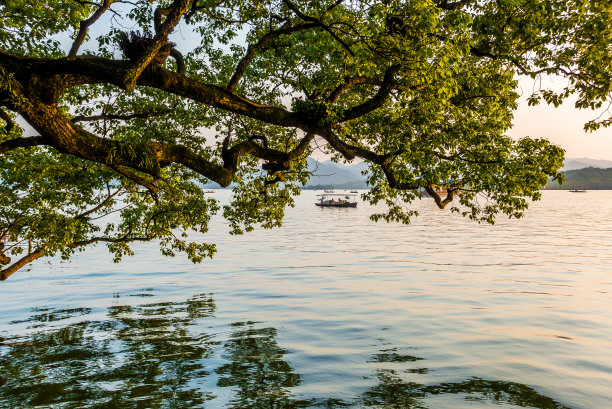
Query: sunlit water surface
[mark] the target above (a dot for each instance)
(330, 311)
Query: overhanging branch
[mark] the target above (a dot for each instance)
(377, 100)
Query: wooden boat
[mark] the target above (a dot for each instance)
(337, 200)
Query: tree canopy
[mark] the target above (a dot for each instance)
(132, 106)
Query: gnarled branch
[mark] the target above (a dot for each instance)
(439, 201)
(377, 100)
(16, 143)
(150, 186)
(177, 9)
(349, 82)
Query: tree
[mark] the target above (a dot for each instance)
(129, 128)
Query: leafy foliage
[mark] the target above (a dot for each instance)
(423, 91)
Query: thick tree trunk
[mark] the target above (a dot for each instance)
(7, 272)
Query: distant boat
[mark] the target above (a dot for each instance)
(209, 191)
(336, 200)
(577, 190)
(354, 191)
(329, 191)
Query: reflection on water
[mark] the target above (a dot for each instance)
(394, 392)
(256, 369)
(142, 357)
(330, 311)
(163, 354)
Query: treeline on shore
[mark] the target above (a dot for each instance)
(587, 178)
(349, 185)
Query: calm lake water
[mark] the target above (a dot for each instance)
(330, 311)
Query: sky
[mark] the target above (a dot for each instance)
(563, 126)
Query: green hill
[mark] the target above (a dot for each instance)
(587, 178)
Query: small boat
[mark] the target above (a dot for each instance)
(577, 190)
(337, 200)
(209, 191)
(329, 191)
(354, 191)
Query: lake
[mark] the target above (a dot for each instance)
(329, 311)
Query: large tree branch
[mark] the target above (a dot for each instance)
(8, 271)
(222, 98)
(349, 82)
(437, 198)
(16, 143)
(377, 100)
(277, 160)
(149, 158)
(352, 81)
(150, 186)
(349, 151)
(94, 70)
(84, 26)
(192, 11)
(352, 151)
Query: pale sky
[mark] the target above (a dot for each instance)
(563, 126)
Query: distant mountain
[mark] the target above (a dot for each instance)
(582, 163)
(573, 164)
(580, 173)
(589, 178)
(328, 174)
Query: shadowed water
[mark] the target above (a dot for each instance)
(330, 311)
